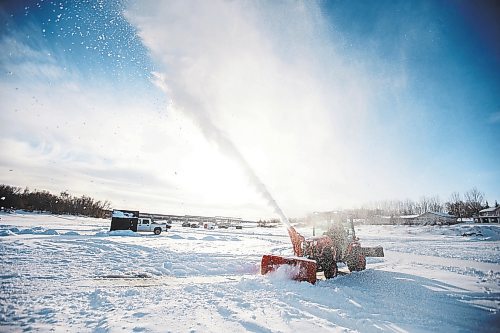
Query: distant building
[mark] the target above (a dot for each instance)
(434, 218)
(488, 215)
(427, 218)
(404, 219)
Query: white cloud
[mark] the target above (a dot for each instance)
(24, 62)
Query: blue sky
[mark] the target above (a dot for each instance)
(332, 104)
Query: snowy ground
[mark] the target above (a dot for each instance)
(63, 273)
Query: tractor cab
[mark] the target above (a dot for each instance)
(349, 227)
(343, 229)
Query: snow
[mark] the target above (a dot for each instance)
(67, 273)
(120, 214)
(486, 210)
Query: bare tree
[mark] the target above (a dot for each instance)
(423, 205)
(473, 201)
(456, 206)
(410, 208)
(435, 204)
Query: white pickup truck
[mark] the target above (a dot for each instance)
(130, 220)
(146, 224)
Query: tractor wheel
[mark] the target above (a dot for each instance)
(329, 264)
(356, 262)
(361, 262)
(331, 270)
(157, 231)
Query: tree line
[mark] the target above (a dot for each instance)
(462, 206)
(12, 197)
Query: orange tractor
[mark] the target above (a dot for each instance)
(322, 253)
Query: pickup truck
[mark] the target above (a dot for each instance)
(146, 224)
(130, 220)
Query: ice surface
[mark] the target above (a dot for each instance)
(68, 273)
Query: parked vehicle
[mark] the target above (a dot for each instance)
(208, 225)
(147, 224)
(130, 220)
(186, 224)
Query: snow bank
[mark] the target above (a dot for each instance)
(471, 231)
(175, 236)
(7, 232)
(479, 232)
(28, 231)
(120, 214)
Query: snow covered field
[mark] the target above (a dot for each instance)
(64, 273)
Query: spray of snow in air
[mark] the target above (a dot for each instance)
(259, 81)
(223, 142)
(247, 84)
(220, 58)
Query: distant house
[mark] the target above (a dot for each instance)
(428, 218)
(438, 218)
(488, 215)
(404, 219)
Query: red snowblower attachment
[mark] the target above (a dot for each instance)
(299, 268)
